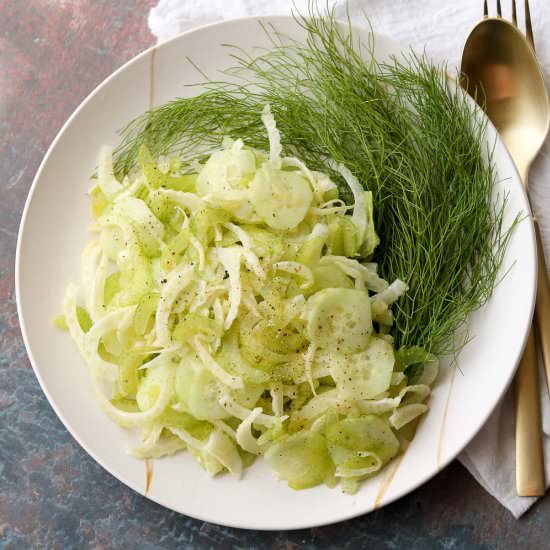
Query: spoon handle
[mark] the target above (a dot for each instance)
(542, 308)
(530, 480)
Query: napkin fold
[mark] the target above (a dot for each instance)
(440, 28)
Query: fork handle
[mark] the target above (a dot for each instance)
(530, 480)
(542, 308)
(530, 477)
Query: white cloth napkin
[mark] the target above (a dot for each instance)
(441, 27)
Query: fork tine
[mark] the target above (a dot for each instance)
(514, 14)
(499, 10)
(528, 27)
(485, 9)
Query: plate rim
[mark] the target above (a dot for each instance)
(346, 515)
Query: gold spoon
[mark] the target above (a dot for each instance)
(500, 70)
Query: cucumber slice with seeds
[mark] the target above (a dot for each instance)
(339, 318)
(281, 199)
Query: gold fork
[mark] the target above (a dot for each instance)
(500, 70)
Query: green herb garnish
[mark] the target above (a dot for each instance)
(400, 127)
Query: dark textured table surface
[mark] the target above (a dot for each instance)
(52, 494)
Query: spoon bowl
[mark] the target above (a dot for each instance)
(503, 75)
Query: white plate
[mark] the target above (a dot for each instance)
(53, 233)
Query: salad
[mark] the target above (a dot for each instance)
(230, 308)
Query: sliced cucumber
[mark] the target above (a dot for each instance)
(366, 374)
(330, 276)
(366, 433)
(281, 198)
(225, 178)
(198, 391)
(301, 459)
(340, 319)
